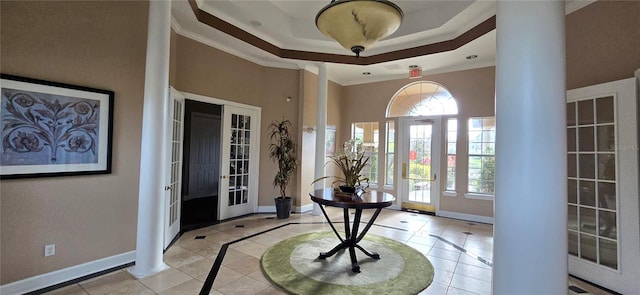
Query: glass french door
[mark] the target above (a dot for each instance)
(173, 187)
(603, 215)
(239, 171)
(420, 164)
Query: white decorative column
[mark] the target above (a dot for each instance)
(530, 209)
(321, 129)
(151, 221)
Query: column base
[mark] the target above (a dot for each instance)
(140, 273)
(316, 210)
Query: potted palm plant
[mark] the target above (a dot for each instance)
(351, 161)
(282, 150)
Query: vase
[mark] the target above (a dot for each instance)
(347, 189)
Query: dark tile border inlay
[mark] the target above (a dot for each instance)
(80, 279)
(577, 290)
(463, 250)
(239, 225)
(200, 237)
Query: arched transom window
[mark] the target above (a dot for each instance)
(422, 99)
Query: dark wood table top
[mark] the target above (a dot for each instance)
(371, 199)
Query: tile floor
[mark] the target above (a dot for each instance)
(191, 259)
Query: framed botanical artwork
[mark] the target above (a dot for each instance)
(330, 142)
(53, 129)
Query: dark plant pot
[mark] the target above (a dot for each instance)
(347, 189)
(283, 207)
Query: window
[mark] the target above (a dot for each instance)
(389, 153)
(482, 138)
(368, 134)
(422, 99)
(452, 136)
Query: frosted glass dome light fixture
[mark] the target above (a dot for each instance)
(358, 24)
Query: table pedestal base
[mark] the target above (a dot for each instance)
(351, 238)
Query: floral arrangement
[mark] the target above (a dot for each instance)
(350, 161)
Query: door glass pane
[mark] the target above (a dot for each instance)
(234, 121)
(571, 114)
(419, 164)
(571, 139)
(573, 243)
(606, 138)
(607, 195)
(572, 190)
(588, 247)
(586, 139)
(607, 224)
(571, 165)
(587, 166)
(573, 217)
(609, 253)
(607, 166)
(604, 110)
(587, 193)
(585, 112)
(588, 220)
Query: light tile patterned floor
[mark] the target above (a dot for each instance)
(191, 259)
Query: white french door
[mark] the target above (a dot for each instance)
(173, 187)
(419, 163)
(603, 211)
(239, 161)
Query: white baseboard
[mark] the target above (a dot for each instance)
(305, 208)
(266, 209)
(463, 216)
(67, 274)
(296, 209)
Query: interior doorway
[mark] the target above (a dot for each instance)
(201, 169)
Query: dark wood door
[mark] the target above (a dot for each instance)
(204, 160)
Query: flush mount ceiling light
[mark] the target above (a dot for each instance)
(358, 24)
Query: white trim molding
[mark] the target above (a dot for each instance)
(464, 216)
(477, 196)
(296, 209)
(450, 193)
(66, 274)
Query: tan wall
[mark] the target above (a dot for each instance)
(603, 43)
(278, 85)
(474, 91)
(93, 44)
(207, 71)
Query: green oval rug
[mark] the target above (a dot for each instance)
(292, 264)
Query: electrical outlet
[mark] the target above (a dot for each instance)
(50, 250)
